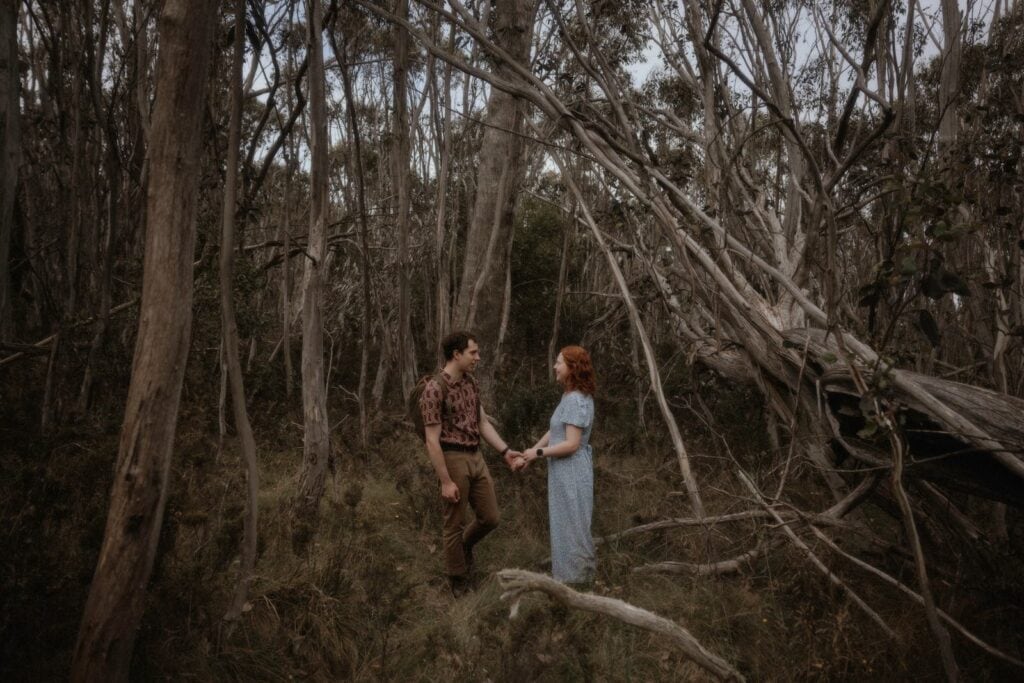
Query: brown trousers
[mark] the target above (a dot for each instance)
(476, 490)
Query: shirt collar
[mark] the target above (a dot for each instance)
(451, 382)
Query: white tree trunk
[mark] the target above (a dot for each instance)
(316, 439)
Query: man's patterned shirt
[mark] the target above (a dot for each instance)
(461, 424)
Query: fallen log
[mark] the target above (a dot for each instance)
(962, 436)
(516, 582)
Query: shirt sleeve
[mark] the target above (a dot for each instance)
(579, 410)
(430, 404)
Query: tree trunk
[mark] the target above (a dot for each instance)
(949, 84)
(286, 280)
(442, 101)
(74, 142)
(10, 139)
(316, 441)
(506, 301)
(229, 321)
(290, 156)
(116, 597)
(359, 174)
(563, 269)
(101, 272)
(400, 159)
(500, 170)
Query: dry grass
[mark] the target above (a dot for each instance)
(369, 602)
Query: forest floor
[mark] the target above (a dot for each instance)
(368, 601)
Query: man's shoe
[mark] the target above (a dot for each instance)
(460, 585)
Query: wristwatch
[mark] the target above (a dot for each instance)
(507, 449)
(540, 452)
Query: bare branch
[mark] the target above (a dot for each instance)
(516, 582)
(835, 580)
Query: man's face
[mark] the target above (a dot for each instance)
(468, 357)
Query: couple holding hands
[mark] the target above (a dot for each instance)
(454, 423)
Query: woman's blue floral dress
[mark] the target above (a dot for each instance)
(571, 493)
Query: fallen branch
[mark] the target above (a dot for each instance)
(516, 582)
(42, 343)
(831, 516)
(731, 566)
(949, 664)
(689, 480)
(675, 522)
(835, 580)
(906, 590)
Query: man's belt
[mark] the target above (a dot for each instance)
(462, 448)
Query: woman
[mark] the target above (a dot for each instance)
(566, 447)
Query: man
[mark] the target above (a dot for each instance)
(454, 422)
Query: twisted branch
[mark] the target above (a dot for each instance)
(516, 582)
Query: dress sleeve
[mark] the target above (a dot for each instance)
(430, 403)
(579, 410)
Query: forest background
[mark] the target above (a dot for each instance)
(231, 237)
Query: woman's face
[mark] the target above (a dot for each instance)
(561, 369)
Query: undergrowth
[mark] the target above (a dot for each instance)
(368, 600)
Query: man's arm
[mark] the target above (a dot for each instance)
(449, 490)
(490, 435)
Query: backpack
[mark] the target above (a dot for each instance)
(413, 407)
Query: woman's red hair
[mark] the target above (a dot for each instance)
(581, 372)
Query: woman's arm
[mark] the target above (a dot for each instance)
(573, 435)
(543, 441)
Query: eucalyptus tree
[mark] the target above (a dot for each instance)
(401, 158)
(316, 427)
(500, 169)
(117, 594)
(229, 323)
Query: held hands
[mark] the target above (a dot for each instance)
(520, 460)
(523, 459)
(511, 459)
(516, 461)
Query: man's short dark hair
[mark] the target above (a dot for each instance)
(456, 341)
